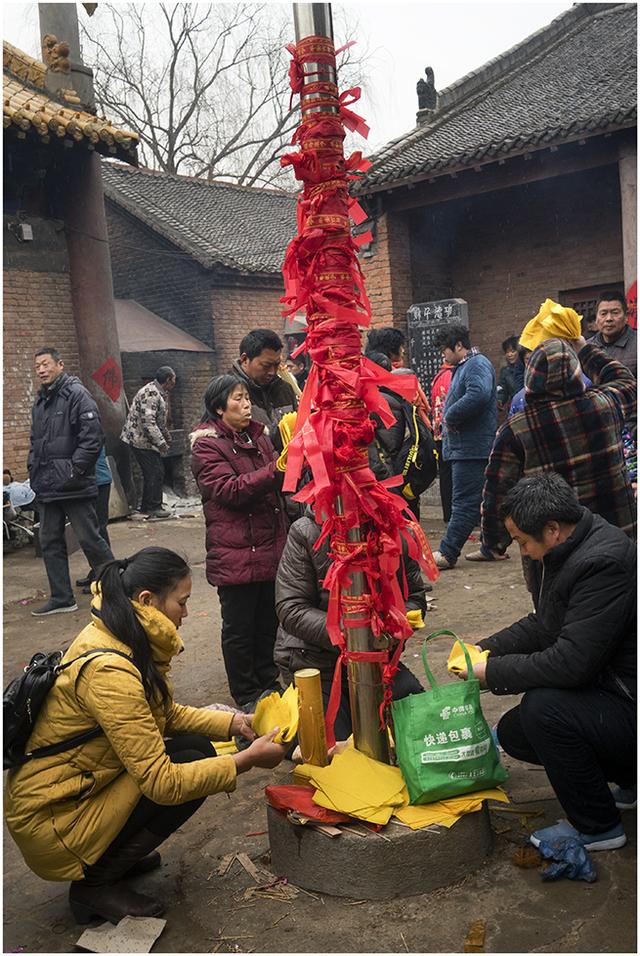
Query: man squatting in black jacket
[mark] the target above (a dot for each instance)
(574, 658)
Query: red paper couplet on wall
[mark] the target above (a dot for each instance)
(632, 305)
(109, 378)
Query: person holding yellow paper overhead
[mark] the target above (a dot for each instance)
(568, 429)
(574, 659)
(301, 605)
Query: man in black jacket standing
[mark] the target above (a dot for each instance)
(257, 369)
(66, 438)
(574, 658)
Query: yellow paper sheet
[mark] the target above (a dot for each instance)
(457, 662)
(355, 784)
(447, 812)
(553, 321)
(276, 711)
(415, 619)
(224, 747)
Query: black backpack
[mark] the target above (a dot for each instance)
(23, 699)
(418, 454)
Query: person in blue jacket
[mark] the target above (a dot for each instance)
(469, 428)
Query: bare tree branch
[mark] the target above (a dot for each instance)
(204, 85)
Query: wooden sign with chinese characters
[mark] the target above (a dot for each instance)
(424, 320)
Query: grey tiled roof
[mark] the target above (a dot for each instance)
(574, 77)
(240, 227)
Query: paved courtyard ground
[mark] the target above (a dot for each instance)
(207, 912)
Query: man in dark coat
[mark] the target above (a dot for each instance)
(257, 369)
(301, 605)
(469, 428)
(66, 438)
(574, 659)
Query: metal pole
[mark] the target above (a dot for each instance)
(365, 679)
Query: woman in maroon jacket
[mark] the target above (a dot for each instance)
(234, 463)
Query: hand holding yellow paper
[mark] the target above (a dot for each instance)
(553, 321)
(457, 661)
(286, 427)
(276, 711)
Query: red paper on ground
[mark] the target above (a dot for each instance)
(299, 798)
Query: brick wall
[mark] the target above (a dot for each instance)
(37, 311)
(236, 310)
(387, 271)
(159, 276)
(504, 252)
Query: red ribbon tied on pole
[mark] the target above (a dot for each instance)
(334, 428)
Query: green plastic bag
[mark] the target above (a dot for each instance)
(444, 745)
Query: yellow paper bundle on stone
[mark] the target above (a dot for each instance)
(276, 711)
(368, 790)
(447, 812)
(457, 661)
(553, 321)
(355, 784)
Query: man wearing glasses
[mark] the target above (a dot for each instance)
(614, 335)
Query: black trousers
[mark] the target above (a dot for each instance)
(102, 514)
(249, 626)
(165, 820)
(82, 515)
(152, 478)
(583, 738)
(446, 486)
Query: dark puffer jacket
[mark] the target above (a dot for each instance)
(268, 402)
(66, 438)
(302, 602)
(583, 631)
(243, 508)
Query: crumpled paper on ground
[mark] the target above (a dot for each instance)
(276, 711)
(570, 859)
(133, 934)
(553, 321)
(457, 661)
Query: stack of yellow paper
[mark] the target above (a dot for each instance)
(355, 784)
(553, 321)
(368, 790)
(457, 661)
(447, 812)
(276, 711)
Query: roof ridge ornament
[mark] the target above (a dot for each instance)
(427, 97)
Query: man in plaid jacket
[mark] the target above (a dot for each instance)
(568, 429)
(145, 430)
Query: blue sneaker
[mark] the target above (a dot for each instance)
(562, 830)
(625, 799)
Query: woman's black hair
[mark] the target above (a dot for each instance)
(217, 395)
(153, 569)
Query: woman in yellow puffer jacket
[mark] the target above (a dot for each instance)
(96, 813)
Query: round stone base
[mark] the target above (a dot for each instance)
(395, 862)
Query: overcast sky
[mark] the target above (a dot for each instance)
(403, 38)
